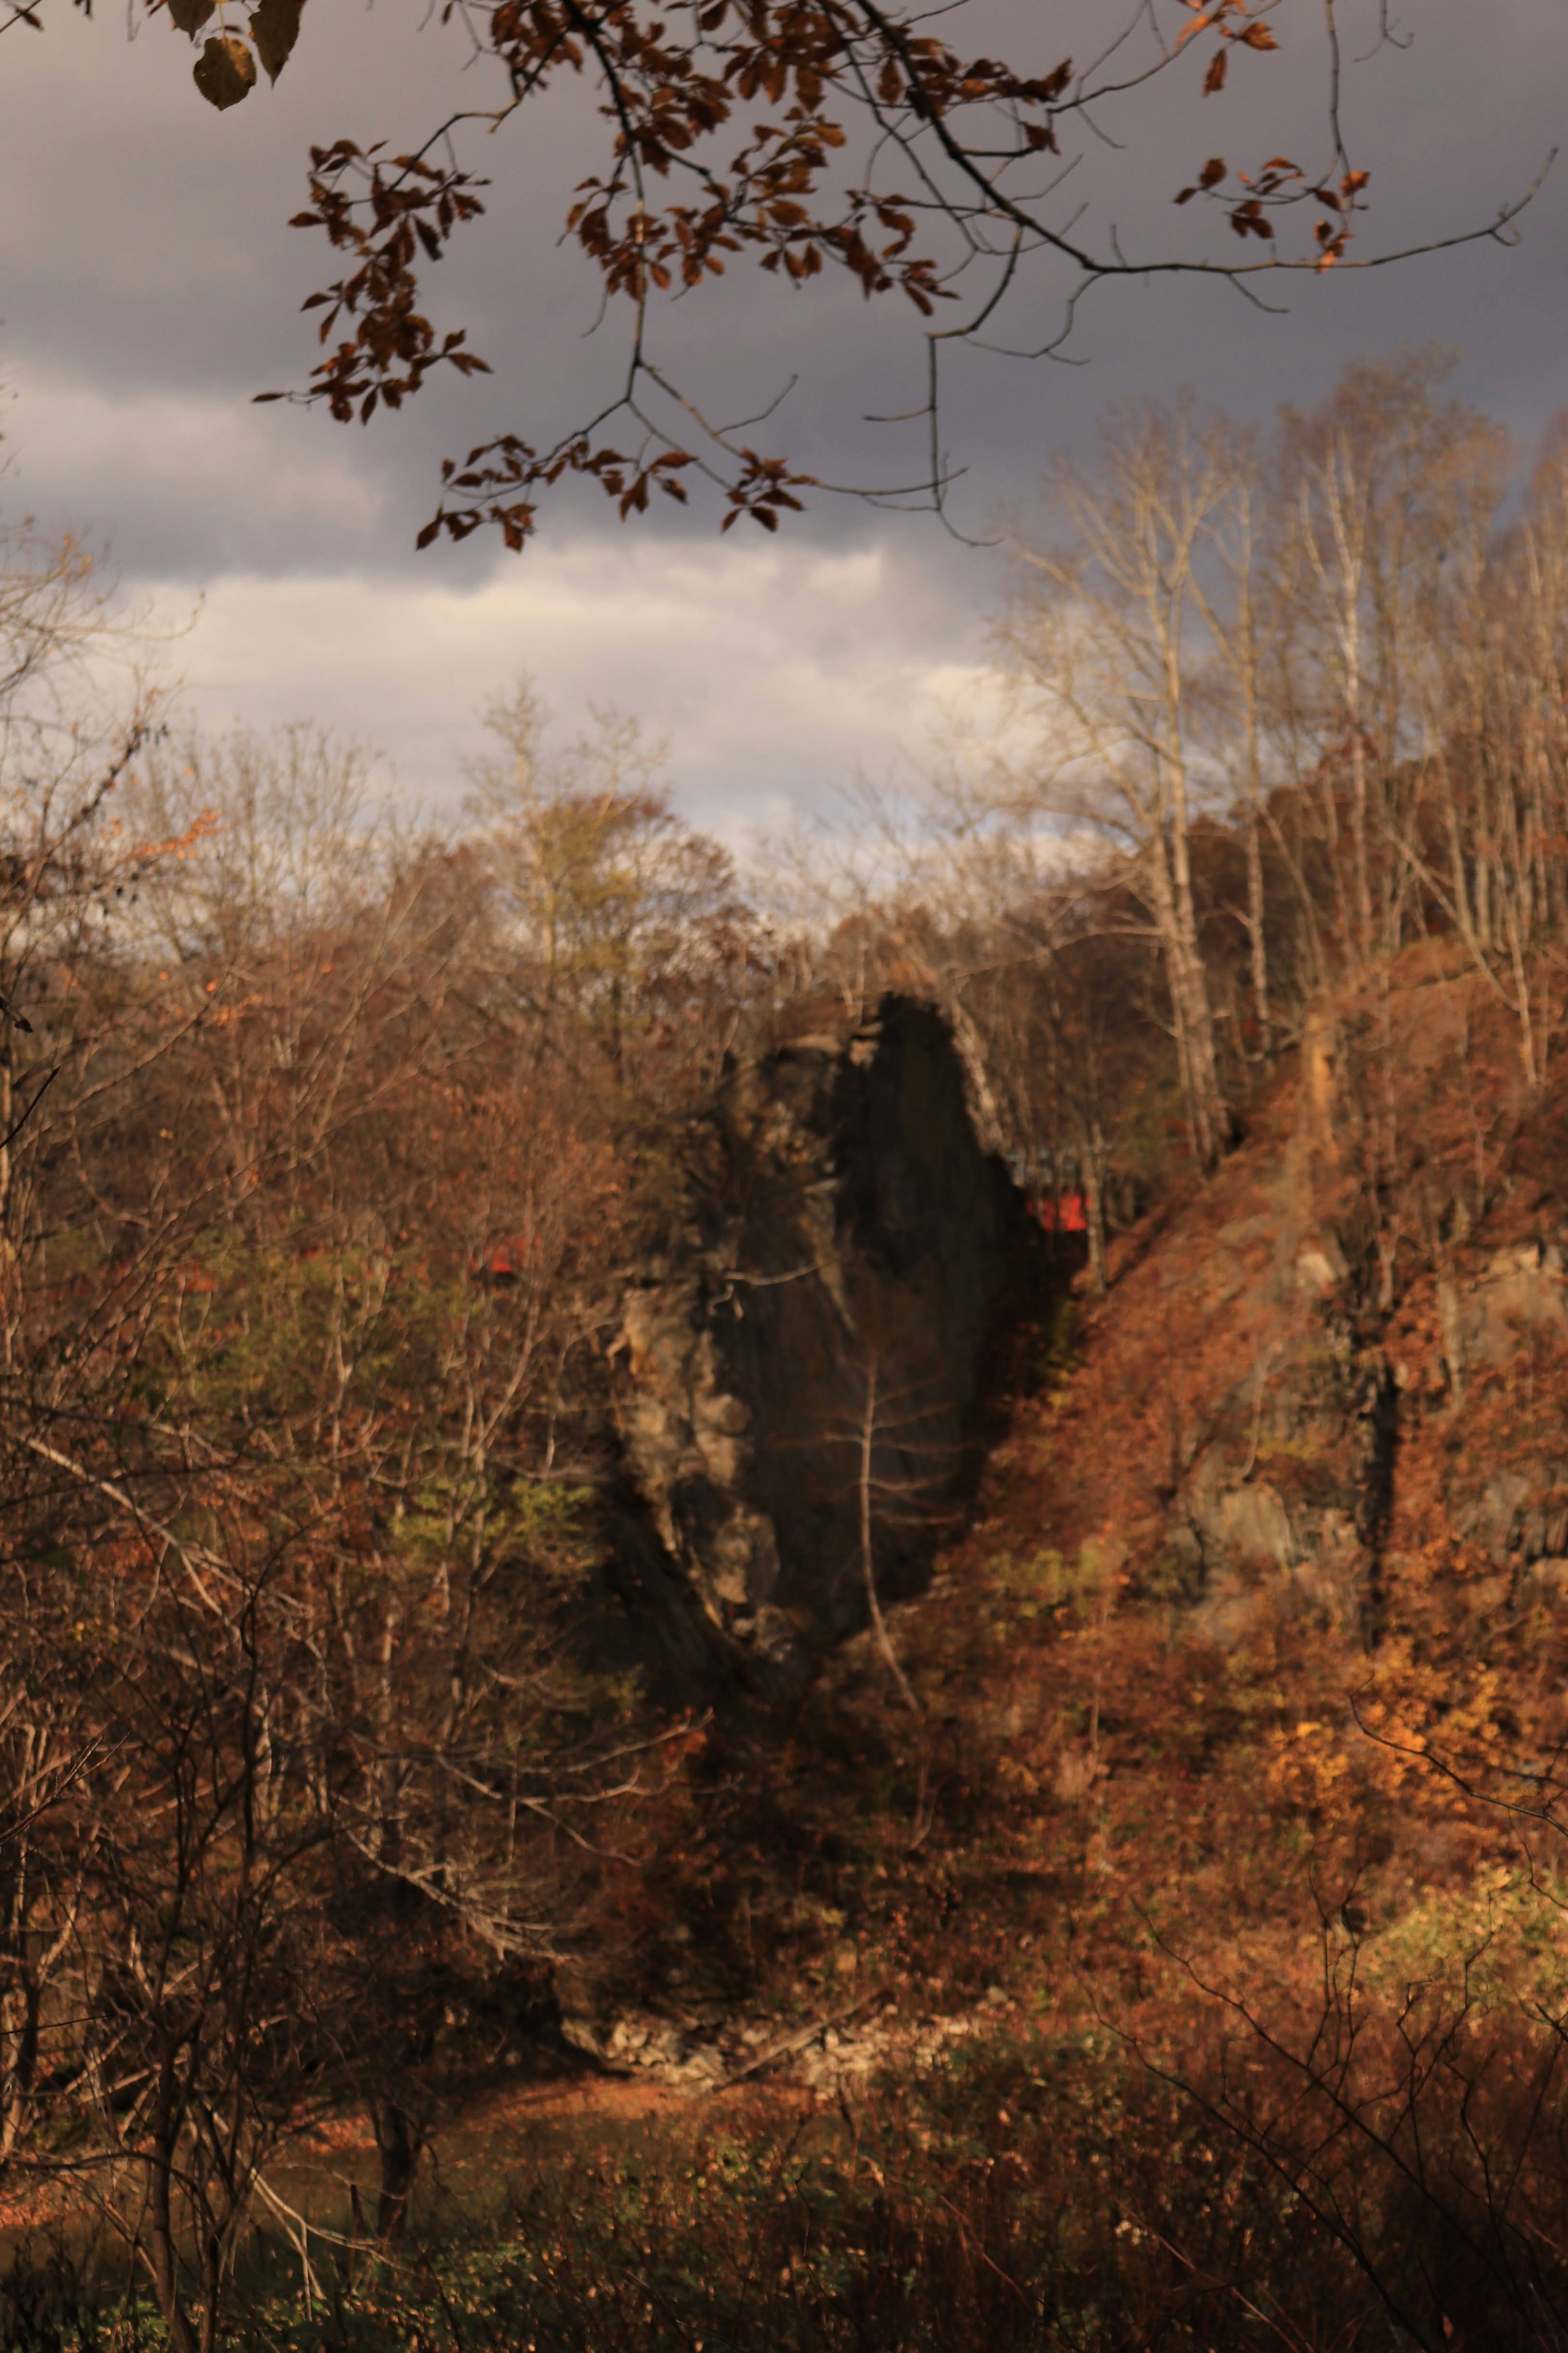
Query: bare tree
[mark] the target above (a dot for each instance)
(904, 1466)
(1105, 630)
(610, 919)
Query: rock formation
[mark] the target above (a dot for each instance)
(843, 1254)
(1310, 1434)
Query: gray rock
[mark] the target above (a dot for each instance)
(840, 1215)
(1522, 1288)
(1520, 1516)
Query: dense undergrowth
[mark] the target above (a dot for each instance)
(1054, 2190)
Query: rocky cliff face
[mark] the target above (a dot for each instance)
(1281, 1479)
(813, 1344)
(1328, 1389)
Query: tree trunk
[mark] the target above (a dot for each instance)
(868, 1561)
(399, 2143)
(1207, 1115)
(1091, 1154)
(164, 2261)
(1257, 936)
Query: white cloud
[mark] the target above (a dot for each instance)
(775, 672)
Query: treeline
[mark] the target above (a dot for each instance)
(1285, 705)
(328, 1143)
(327, 1149)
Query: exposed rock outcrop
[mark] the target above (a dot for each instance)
(845, 1253)
(1336, 1371)
(1483, 1321)
(1281, 1480)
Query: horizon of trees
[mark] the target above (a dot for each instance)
(1292, 702)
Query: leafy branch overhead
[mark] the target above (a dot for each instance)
(814, 138)
(225, 70)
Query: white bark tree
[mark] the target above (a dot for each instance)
(1106, 632)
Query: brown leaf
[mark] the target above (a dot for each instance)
(1214, 77)
(1257, 36)
(275, 29)
(226, 71)
(189, 15)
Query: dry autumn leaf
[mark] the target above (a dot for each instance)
(226, 71)
(190, 15)
(275, 29)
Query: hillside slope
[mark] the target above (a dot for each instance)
(1263, 1602)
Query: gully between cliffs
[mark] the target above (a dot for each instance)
(809, 1355)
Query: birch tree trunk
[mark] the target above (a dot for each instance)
(1107, 628)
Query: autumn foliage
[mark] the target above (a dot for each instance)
(1213, 1793)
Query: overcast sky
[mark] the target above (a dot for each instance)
(148, 286)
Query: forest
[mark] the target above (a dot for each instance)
(1142, 1926)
